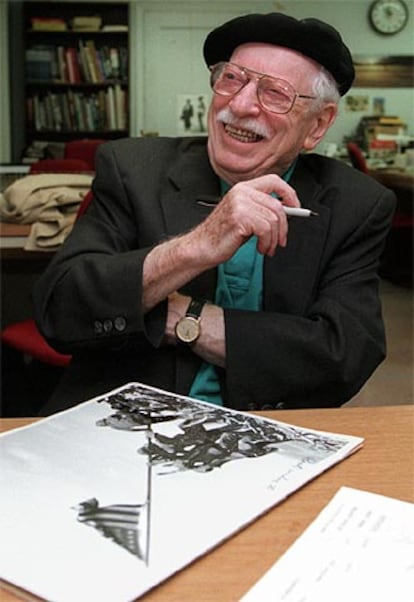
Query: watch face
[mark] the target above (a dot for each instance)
(388, 16)
(187, 329)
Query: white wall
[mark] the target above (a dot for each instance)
(350, 18)
(169, 51)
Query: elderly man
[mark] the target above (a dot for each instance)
(190, 270)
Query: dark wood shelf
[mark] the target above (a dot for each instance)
(77, 32)
(59, 84)
(70, 134)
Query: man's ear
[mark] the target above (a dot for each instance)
(322, 122)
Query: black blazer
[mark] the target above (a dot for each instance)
(320, 334)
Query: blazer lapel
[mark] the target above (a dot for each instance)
(193, 191)
(290, 276)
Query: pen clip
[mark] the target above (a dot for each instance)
(208, 200)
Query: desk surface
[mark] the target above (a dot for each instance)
(393, 178)
(385, 465)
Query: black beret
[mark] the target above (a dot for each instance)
(311, 37)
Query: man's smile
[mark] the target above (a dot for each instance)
(242, 135)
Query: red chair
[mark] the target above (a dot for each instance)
(25, 337)
(356, 157)
(59, 166)
(84, 149)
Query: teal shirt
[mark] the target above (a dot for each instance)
(239, 286)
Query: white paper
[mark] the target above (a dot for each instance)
(107, 499)
(360, 547)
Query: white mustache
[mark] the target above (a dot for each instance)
(226, 116)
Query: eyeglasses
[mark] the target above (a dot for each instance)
(274, 94)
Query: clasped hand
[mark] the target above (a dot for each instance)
(248, 209)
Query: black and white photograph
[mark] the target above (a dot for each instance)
(114, 480)
(192, 114)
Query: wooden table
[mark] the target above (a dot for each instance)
(394, 178)
(384, 465)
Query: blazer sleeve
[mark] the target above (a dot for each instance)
(320, 356)
(90, 294)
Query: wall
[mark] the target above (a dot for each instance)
(170, 38)
(350, 18)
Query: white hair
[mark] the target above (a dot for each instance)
(325, 88)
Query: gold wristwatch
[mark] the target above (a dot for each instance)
(188, 329)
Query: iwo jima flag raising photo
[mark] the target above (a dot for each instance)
(139, 483)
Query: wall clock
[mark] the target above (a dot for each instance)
(388, 16)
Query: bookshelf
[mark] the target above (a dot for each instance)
(75, 70)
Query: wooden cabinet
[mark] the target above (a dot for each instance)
(76, 72)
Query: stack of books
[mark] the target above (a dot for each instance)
(48, 24)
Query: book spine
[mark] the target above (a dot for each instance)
(94, 61)
(72, 109)
(110, 108)
(73, 69)
(63, 69)
(120, 107)
(83, 61)
(114, 59)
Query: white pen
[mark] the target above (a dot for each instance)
(298, 211)
(212, 201)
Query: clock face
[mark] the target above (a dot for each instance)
(388, 16)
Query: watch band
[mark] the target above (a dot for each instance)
(195, 308)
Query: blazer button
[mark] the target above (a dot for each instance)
(120, 324)
(98, 327)
(108, 326)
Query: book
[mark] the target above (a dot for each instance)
(80, 111)
(115, 28)
(86, 23)
(93, 61)
(86, 75)
(111, 109)
(365, 551)
(41, 63)
(115, 62)
(73, 68)
(105, 62)
(62, 64)
(37, 117)
(120, 107)
(48, 24)
(114, 488)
